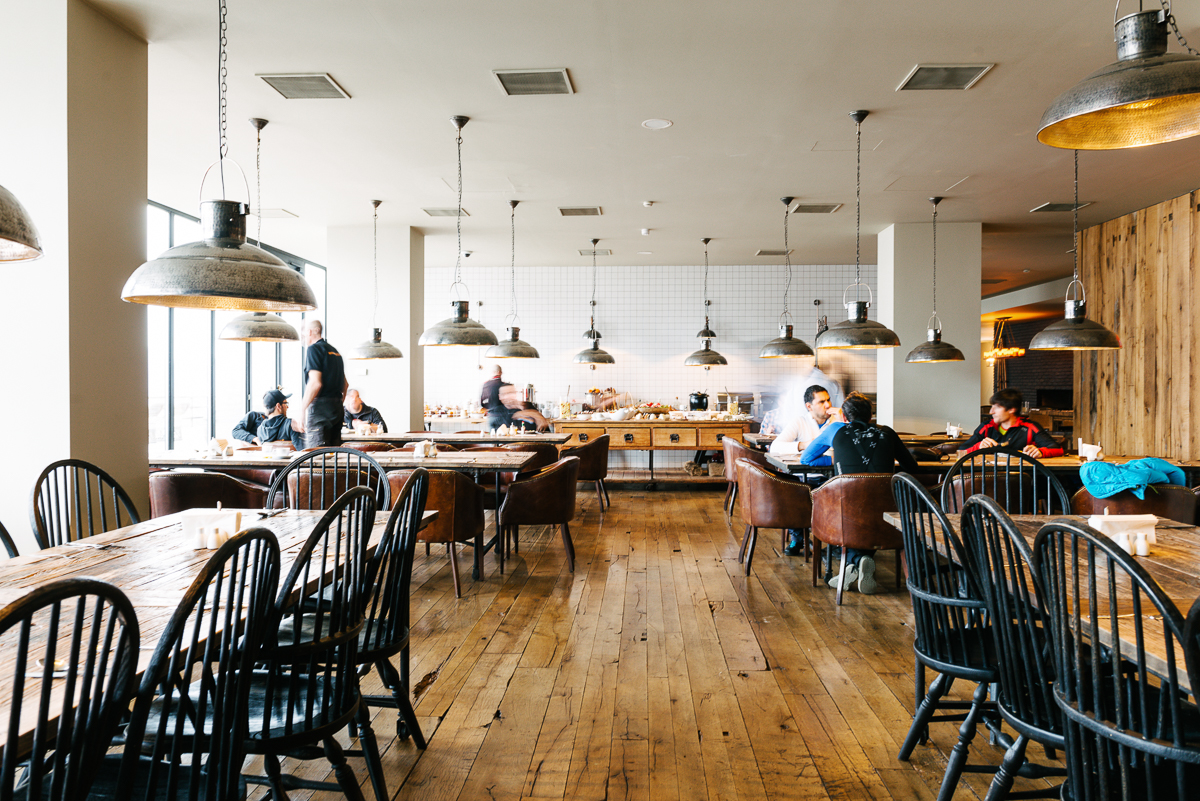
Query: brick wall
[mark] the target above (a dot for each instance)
(1038, 369)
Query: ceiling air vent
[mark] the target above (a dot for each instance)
(1058, 206)
(599, 252)
(450, 212)
(815, 208)
(534, 82)
(305, 86)
(773, 253)
(580, 211)
(944, 76)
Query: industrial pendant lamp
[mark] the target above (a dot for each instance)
(933, 349)
(513, 347)
(1146, 97)
(459, 329)
(857, 332)
(593, 355)
(375, 348)
(1076, 331)
(706, 357)
(19, 239)
(220, 271)
(785, 346)
(259, 326)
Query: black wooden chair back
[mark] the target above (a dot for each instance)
(69, 659)
(1191, 648)
(187, 733)
(1130, 731)
(7, 541)
(73, 499)
(385, 634)
(1019, 483)
(318, 478)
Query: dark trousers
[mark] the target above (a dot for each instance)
(323, 424)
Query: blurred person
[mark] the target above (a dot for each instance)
(804, 427)
(1008, 430)
(355, 409)
(504, 406)
(321, 406)
(277, 426)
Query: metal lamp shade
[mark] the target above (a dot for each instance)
(594, 356)
(1146, 97)
(706, 333)
(857, 332)
(706, 357)
(785, 346)
(1075, 332)
(376, 348)
(512, 348)
(933, 349)
(259, 327)
(458, 330)
(18, 235)
(220, 271)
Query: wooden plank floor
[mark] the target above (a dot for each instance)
(658, 670)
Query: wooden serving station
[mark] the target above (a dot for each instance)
(654, 435)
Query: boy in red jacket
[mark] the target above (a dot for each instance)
(1009, 431)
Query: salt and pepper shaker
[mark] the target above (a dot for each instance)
(1140, 545)
(1121, 538)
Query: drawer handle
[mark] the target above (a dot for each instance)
(583, 437)
(629, 437)
(720, 437)
(674, 438)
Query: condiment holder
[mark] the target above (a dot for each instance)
(210, 528)
(426, 449)
(1133, 534)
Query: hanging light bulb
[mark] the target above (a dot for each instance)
(375, 348)
(221, 271)
(259, 326)
(513, 347)
(593, 355)
(933, 349)
(1146, 97)
(19, 239)
(706, 357)
(785, 346)
(857, 332)
(1076, 331)
(1001, 349)
(459, 329)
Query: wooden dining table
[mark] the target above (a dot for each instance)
(481, 438)
(153, 564)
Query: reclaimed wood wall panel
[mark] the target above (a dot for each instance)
(1139, 274)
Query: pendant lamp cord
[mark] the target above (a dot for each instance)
(1175, 27)
(935, 260)
(458, 215)
(1075, 219)
(857, 211)
(258, 185)
(222, 74)
(512, 267)
(593, 303)
(375, 261)
(787, 260)
(706, 286)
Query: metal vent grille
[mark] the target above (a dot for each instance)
(992, 280)
(580, 211)
(765, 252)
(944, 76)
(450, 212)
(534, 82)
(306, 86)
(599, 252)
(815, 208)
(1058, 207)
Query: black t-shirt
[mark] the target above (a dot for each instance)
(323, 358)
(863, 448)
(367, 414)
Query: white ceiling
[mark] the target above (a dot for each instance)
(751, 87)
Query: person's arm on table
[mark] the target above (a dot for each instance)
(243, 428)
(814, 454)
(979, 440)
(788, 440)
(1042, 445)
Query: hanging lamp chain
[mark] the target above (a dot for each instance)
(512, 267)
(787, 260)
(1075, 219)
(458, 215)
(375, 261)
(857, 208)
(706, 284)
(222, 75)
(935, 260)
(258, 185)
(1175, 27)
(593, 302)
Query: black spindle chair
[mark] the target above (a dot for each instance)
(186, 737)
(318, 478)
(950, 624)
(68, 659)
(307, 690)
(1191, 648)
(7, 541)
(386, 632)
(1131, 733)
(1019, 483)
(1001, 557)
(73, 499)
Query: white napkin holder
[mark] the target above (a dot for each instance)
(1093, 453)
(426, 449)
(210, 528)
(220, 449)
(1133, 533)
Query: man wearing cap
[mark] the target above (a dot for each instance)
(247, 428)
(325, 391)
(277, 425)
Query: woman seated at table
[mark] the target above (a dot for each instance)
(1011, 432)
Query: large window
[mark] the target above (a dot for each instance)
(200, 385)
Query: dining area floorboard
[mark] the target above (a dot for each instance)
(658, 670)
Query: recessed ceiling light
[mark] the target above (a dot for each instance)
(1026, 271)
(657, 125)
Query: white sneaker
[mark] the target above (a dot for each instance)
(851, 575)
(866, 576)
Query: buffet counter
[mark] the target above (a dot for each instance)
(654, 435)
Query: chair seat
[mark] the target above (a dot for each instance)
(268, 724)
(104, 787)
(975, 661)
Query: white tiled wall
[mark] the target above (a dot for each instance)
(648, 317)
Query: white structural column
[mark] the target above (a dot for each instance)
(75, 154)
(394, 386)
(923, 397)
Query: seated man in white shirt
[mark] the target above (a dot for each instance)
(803, 429)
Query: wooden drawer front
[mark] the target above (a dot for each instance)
(635, 438)
(711, 437)
(671, 437)
(582, 436)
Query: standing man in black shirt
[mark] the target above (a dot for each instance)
(321, 407)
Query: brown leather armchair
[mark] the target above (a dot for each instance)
(368, 447)
(175, 490)
(593, 464)
(735, 450)
(770, 500)
(848, 512)
(459, 504)
(1164, 500)
(544, 499)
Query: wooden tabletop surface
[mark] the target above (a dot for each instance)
(458, 439)
(153, 566)
(1059, 464)
(505, 461)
